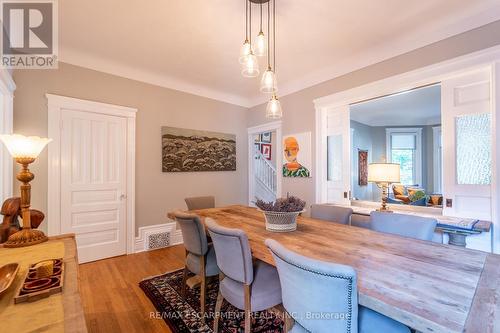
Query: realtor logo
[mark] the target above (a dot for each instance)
(29, 38)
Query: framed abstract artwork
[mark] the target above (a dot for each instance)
(362, 167)
(297, 155)
(186, 150)
(265, 149)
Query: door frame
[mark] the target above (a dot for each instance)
(267, 127)
(56, 106)
(485, 59)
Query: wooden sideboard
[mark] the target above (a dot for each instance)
(61, 312)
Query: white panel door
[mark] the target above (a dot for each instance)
(467, 150)
(93, 183)
(337, 141)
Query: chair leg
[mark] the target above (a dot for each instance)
(184, 281)
(248, 309)
(218, 307)
(202, 289)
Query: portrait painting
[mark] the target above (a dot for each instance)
(297, 155)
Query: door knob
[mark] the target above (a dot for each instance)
(123, 197)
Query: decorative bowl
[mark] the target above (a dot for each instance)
(7, 276)
(281, 221)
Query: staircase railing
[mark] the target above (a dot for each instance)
(265, 172)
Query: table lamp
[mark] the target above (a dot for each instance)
(25, 150)
(384, 174)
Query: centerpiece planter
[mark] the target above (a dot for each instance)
(281, 216)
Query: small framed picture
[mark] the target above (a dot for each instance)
(265, 149)
(256, 146)
(265, 137)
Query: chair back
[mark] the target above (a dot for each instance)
(311, 287)
(193, 233)
(404, 225)
(200, 202)
(232, 250)
(331, 213)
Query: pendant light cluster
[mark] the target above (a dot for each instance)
(250, 51)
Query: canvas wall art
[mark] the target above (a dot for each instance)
(297, 155)
(362, 167)
(185, 150)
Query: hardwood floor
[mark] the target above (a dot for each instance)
(112, 299)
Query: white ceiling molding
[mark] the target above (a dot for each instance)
(386, 51)
(424, 34)
(77, 58)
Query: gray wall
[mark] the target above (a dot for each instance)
(298, 108)
(156, 192)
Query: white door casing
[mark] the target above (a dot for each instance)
(91, 175)
(334, 142)
(461, 96)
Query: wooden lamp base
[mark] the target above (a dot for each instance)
(26, 237)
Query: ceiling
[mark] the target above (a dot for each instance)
(193, 45)
(410, 108)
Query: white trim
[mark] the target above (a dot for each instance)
(58, 104)
(7, 87)
(418, 151)
(437, 160)
(144, 232)
(495, 184)
(267, 127)
(409, 80)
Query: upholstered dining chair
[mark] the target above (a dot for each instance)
(246, 285)
(412, 226)
(331, 213)
(323, 297)
(194, 203)
(200, 256)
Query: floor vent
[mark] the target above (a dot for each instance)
(158, 240)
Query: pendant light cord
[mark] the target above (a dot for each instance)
(250, 23)
(268, 36)
(274, 36)
(246, 19)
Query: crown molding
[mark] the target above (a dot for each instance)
(386, 51)
(76, 57)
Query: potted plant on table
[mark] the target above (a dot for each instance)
(281, 215)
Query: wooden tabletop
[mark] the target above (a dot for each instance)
(429, 287)
(42, 315)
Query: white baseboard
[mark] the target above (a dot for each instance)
(144, 232)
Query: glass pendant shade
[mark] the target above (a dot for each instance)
(260, 45)
(250, 66)
(268, 83)
(245, 51)
(20, 146)
(273, 109)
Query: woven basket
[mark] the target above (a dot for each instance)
(281, 221)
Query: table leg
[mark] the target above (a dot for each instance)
(457, 239)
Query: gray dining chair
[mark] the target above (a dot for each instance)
(411, 226)
(246, 285)
(200, 256)
(194, 203)
(331, 213)
(323, 297)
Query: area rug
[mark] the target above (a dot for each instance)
(182, 314)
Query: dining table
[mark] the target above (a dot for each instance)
(427, 286)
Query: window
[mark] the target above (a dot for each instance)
(404, 147)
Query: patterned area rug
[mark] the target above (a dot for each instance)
(182, 314)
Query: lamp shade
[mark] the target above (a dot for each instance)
(24, 146)
(273, 109)
(384, 173)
